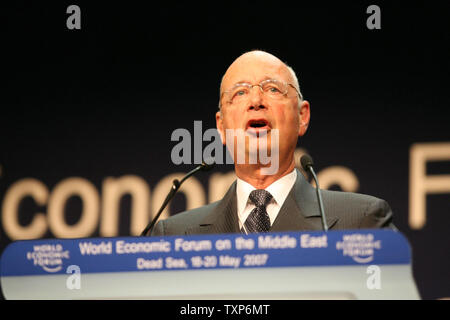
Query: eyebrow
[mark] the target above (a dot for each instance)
(245, 81)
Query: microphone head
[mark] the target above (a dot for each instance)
(176, 183)
(208, 164)
(306, 161)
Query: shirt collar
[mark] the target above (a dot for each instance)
(278, 189)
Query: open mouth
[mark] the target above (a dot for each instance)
(258, 124)
(258, 127)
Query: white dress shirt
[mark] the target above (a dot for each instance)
(279, 191)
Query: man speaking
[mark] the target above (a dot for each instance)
(260, 96)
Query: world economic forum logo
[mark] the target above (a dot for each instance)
(48, 256)
(361, 247)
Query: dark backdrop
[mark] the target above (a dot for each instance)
(104, 100)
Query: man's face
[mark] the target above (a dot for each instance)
(261, 112)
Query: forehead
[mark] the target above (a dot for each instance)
(254, 68)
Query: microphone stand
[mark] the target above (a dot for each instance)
(176, 184)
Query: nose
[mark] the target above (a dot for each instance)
(256, 99)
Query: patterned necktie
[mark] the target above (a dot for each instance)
(258, 220)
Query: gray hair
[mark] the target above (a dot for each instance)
(296, 84)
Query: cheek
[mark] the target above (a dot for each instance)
(289, 127)
(231, 121)
(287, 118)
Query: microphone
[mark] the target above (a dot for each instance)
(206, 165)
(307, 165)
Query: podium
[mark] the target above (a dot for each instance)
(351, 264)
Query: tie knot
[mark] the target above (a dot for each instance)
(260, 198)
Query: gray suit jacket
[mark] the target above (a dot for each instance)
(300, 212)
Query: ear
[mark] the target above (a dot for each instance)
(219, 125)
(304, 118)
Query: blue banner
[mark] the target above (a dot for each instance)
(128, 254)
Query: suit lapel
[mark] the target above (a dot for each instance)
(300, 210)
(223, 218)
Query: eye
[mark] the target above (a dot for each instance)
(239, 92)
(272, 89)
